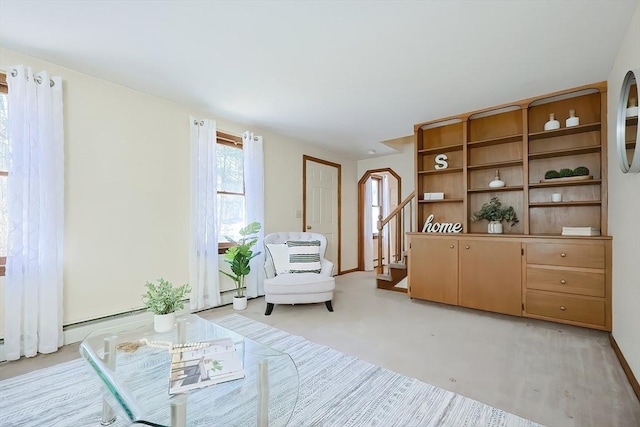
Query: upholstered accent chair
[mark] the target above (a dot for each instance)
(296, 271)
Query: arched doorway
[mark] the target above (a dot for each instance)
(366, 210)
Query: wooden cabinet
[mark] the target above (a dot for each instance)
(477, 273)
(569, 281)
(561, 278)
(490, 275)
(433, 270)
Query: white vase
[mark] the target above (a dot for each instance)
(239, 303)
(572, 120)
(495, 227)
(164, 322)
(552, 124)
(497, 182)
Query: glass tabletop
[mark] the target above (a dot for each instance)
(136, 380)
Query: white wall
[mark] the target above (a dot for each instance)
(127, 190)
(624, 213)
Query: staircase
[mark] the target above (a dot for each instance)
(391, 267)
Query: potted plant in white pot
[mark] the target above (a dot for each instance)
(238, 257)
(495, 213)
(163, 300)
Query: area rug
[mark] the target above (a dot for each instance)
(335, 390)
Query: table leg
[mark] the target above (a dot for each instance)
(179, 410)
(109, 359)
(263, 393)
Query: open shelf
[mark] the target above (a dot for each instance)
(495, 141)
(494, 165)
(439, 171)
(557, 204)
(565, 152)
(441, 201)
(443, 149)
(491, 190)
(565, 131)
(565, 183)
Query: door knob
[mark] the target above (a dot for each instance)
(308, 227)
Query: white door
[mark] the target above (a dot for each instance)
(322, 181)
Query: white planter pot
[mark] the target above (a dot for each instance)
(164, 322)
(495, 227)
(239, 303)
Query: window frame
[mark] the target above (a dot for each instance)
(235, 142)
(4, 88)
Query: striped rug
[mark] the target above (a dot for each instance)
(335, 390)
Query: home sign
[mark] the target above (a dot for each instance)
(441, 227)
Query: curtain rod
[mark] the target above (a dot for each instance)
(14, 73)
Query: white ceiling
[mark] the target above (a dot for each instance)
(344, 75)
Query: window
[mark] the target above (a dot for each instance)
(376, 202)
(4, 172)
(230, 198)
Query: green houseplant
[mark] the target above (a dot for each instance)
(495, 212)
(163, 300)
(238, 257)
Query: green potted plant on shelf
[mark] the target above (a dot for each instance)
(238, 257)
(496, 213)
(163, 300)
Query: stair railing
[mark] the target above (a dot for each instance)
(395, 226)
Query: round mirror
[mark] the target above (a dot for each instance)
(627, 129)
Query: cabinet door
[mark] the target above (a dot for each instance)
(433, 270)
(491, 276)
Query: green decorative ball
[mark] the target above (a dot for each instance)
(564, 173)
(580, 171)
(551, 174)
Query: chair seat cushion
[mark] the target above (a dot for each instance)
(299, 283)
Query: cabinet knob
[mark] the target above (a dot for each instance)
(563, 308)
(466, 246)
(563, 255)
(451, 246)
(563, 281)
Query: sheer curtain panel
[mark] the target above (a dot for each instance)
(203, 242)
(254, 201)
(35, 187)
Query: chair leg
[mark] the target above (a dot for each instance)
(269, 309)
(329, 306)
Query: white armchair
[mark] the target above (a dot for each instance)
(281, 286)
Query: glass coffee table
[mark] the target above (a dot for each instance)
(136, 379)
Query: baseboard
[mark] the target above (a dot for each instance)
(348, 271)
(625, 366)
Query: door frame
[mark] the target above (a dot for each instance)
(361, 193)
(338, 166)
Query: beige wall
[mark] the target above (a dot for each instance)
(624, 213)
(402, 164)
(127, 190)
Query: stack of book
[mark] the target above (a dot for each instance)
(580, 231)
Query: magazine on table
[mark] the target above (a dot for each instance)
(201, 364)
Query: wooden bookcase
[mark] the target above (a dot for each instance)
(511, 138)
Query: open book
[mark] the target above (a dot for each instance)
(197, 365)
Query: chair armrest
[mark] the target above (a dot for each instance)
(269, 270)
(327, 267)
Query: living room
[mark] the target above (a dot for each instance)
(127, 174)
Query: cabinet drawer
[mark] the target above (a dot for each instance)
(566, 307)
(566, 254)
(566, 281)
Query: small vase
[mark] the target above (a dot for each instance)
(497, 182)
(164, 322)
(572, 120)
(552, 124)
(239, 303)
(495, 227)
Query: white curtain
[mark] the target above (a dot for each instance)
(203, 242)
(386, 249)
(35, 187)
(368, 227)
(254, 202)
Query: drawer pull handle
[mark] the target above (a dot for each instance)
(466, 246)
(563, 255)
(563, 281)
(451, 246)
(563, 308)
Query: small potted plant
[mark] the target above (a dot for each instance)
(238, 257)
(163, 300)
(495, 213)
